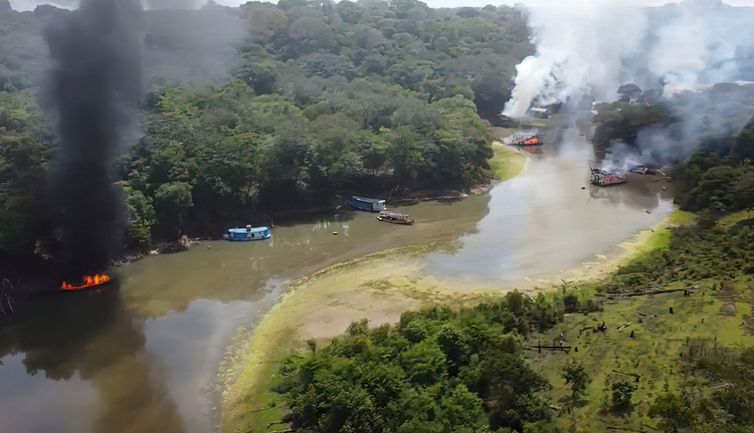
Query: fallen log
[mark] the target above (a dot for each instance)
(634, 375)
(539, 348)
(650, 293)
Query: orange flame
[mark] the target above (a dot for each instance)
(533, 141)
(87, 281)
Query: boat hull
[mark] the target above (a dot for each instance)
(610, 183)
(391, 221)
(228, 238)
(395, 218)
(247, 234)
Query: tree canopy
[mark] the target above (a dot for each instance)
(321, 99)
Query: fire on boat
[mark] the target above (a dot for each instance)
(87, 282)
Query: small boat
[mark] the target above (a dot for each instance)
(601, 177)
(395, 218)
(366, 204)
(248, 233)
(646, 170)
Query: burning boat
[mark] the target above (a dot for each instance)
(87, 282)
(248, 233)
(601, 177)
(522, 139)
(645, 170)
(395, 218)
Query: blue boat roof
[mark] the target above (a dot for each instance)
(253, 230)
(367, 199)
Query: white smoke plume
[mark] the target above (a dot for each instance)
(580, 50)
(589, 51)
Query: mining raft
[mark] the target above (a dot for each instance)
(602, 177)
(395, 218)
(531, 139)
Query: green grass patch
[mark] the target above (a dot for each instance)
(659, 239)
(506, 162)
(681, 218)
(657, 351)
(729, 221)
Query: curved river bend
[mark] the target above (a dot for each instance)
(142, 355)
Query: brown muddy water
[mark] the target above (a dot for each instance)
(141, 355)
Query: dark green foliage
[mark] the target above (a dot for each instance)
(622, 121)
(438, 370)
(141, 218)
(574, 375)
(218, 155)
(719, 177)
(694, 254)
(709, 183)
(437, 53)
(722, 406)
(620, 398)
(736, 370)
(675, 412)
(743, 146)
(326, 99)
(24, 155)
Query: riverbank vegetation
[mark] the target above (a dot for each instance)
(322, 99)
(664, 342)
(625, 352)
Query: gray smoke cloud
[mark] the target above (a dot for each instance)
(173, 4)
(95, 83)
(711, 115)
(682, 52)
(192, 47)
(590, 51)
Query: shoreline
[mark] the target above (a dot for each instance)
(420, 196)
(381, 293)
(378, 287)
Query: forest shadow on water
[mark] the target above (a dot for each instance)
(93, 360)
(142, 354)
(84, 362)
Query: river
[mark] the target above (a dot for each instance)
(141, 355)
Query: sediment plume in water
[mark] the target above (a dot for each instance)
(95, 85)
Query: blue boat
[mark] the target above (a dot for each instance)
(248, 233)
(366, 204)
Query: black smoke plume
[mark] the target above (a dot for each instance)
(96, 83)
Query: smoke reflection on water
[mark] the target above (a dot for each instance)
(84, 363)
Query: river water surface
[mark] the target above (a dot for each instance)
(141, 355)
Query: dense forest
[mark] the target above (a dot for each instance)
(319, 99)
